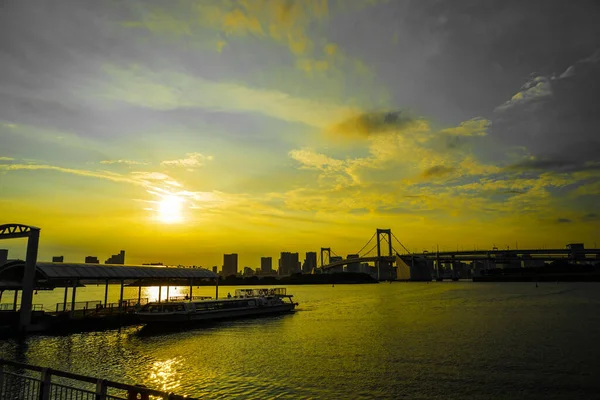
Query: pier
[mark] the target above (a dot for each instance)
(30, 275)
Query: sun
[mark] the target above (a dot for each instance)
(170, 209)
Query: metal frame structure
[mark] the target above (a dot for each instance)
(31, 382)
(32, 233)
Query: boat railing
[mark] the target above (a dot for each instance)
(30, 382)
(260, 292)
(97, 307)
(187, 298)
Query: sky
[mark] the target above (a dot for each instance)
(182, 130)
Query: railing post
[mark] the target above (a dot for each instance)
(1, 378)
(101, 389)
(44, 393)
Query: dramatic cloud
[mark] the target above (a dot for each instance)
(555, 118)
(372, 123)
(192, 160)
(472, 127)
(127, 162)
(437, 170)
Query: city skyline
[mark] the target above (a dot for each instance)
(184, 133)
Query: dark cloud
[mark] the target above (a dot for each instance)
(556, 165)
(590, 217)
(563, 220)
(371, 123)
(555, 119)
(437, 170)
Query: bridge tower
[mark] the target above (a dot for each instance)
(384, 268)
(328, 251)
(383, 232)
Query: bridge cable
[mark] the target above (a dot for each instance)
(366, 244)
(394, 236)
(372, 248)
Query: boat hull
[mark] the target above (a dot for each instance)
(216, 315)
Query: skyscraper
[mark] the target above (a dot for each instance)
(310, 262)
(288, 263)
(266, 265)
(230, 264)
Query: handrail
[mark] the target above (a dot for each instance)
(101, 384)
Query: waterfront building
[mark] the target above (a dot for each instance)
(58, 258)
(310, 262)
(355, 266)
(288, 263)
(230, 264)
(266, 265)
(116, 258)
(92, 260)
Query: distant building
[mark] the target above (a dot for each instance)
(155, 263)
(288, 263)
(310, 262)
(230, 264)
(215, 269)
(116, 258)
(58, 258)
(355, 266)
(92, 260)
(248, 271)
(266, 265)
(576, 251)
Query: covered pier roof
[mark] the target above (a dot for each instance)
(50, 275)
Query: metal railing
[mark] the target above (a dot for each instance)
(11, 307)
(96, 306)
(30, 382)
(187, 298)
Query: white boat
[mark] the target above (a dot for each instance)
(246, 302)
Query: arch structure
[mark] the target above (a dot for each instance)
(32, 233)
(15, 231)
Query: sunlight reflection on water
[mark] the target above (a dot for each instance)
(450, 340)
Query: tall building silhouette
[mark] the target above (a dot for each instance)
(355, 266)
(310, 262)
(288, 263)
(116, 258)
(230, 264)
(266, 265)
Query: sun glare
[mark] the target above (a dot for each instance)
(170, 209)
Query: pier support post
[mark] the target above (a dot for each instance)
(28, 282)
(159, 292)
(65, 298)
(217, 288)
(15, 300)
(168, 287)
(140, 294)
(191, 288)
(106, 294)
(121, 296)
(73, 298)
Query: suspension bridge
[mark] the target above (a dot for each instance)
(382, 249)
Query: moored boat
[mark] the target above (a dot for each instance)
(246, 302)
